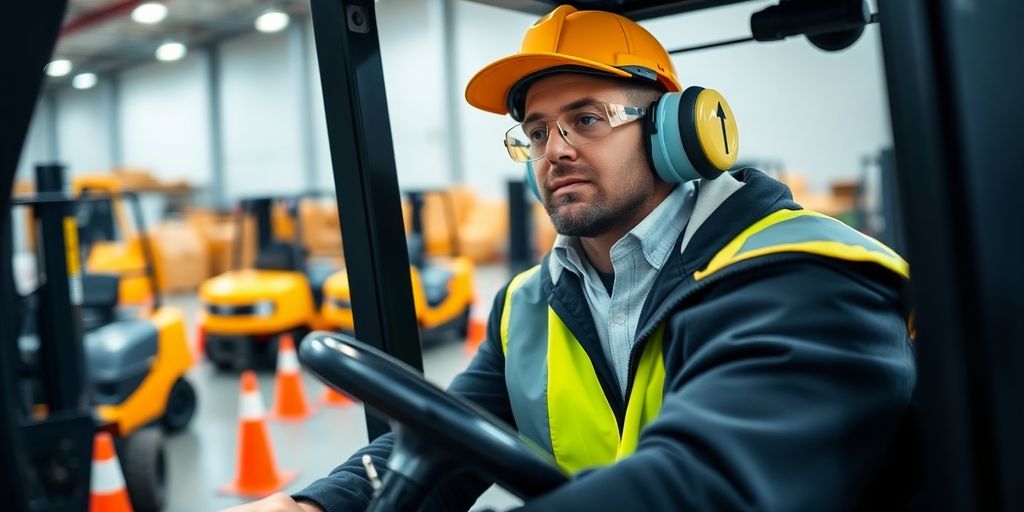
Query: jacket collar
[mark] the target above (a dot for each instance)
(758, 197)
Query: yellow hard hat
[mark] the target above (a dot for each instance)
(586, 41)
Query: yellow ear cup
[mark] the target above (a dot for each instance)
(716, 129)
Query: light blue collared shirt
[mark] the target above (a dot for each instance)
(636, 259)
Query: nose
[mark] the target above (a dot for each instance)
(557, 148)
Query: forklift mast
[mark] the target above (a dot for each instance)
(57, 430)
(261, 211)
(44, 464)
(416, 202)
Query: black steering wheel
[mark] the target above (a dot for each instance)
(434, 431)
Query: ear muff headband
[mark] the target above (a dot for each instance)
(531, 180)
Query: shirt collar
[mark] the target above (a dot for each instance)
(656, 234)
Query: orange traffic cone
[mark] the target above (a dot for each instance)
(289, 398)
(475, 335)
(332, 398)
(108, 493)
(257, 475)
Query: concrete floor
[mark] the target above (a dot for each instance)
(203, 457)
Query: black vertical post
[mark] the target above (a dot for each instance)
(955, 117)
(365, 179)
(60, 325)
(416, 241)
(416, 212)
(28, 34)
(520, 256)
(892, 234)
(261, 212)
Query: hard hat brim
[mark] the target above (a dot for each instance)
(490, 86)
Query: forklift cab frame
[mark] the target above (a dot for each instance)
(954, 118)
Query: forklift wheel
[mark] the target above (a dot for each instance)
(142, 459)
(233, 353)
(181, 406)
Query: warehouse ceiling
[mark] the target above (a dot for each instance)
(636, 9)
(100, 36)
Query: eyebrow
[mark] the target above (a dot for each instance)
(582, 102)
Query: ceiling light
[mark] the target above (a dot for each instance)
(171, 51)
(272, 21)
(59, 67)
(150, 13)
(83, 80)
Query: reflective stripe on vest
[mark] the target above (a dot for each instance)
(556, 397)
(808, 232)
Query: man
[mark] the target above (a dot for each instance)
(688, 344)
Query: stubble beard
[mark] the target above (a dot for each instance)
(599, 216)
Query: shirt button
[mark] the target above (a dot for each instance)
(619, 318)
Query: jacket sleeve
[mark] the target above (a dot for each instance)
(347, 488)
(784, 389)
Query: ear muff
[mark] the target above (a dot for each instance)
(688, 135)
(531, 180)
(692, 135)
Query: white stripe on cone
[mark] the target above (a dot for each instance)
(287, 362)
(107, 477)
(251, 406)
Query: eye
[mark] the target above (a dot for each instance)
(537, 134)
(588, 120)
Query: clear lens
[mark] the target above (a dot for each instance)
(527, 142)
(519, 147)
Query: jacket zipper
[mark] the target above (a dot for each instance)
(652, 326)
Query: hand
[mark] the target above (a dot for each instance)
(279, 502)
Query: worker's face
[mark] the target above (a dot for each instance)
(592, 189)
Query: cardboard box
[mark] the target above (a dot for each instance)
(483, 237)
(219, 232)
(321, 228)
(182, 262)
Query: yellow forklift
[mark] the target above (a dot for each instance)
(442, 288)
(134, 358)
(953, 116)
(121, 252)
(245, 310)
(115, 247)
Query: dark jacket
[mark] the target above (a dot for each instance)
(787, 380)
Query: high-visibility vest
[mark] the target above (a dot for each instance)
(556, 397)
